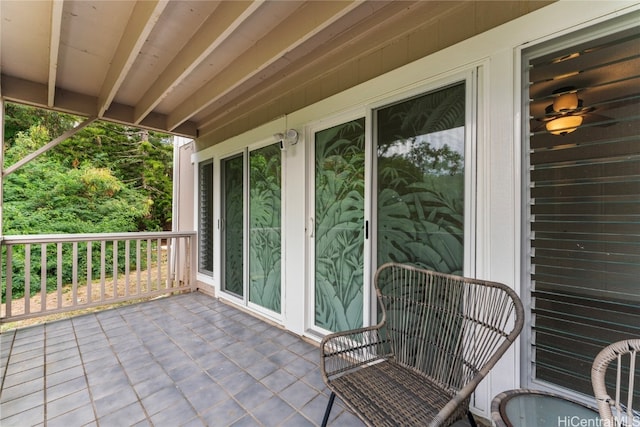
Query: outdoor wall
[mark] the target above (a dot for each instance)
(495, 54)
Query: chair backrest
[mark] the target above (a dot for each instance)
(624, 380)
(452, 329)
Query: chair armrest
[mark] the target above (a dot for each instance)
(344, 351)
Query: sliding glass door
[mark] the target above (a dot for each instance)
(421, 179)
(338, 234)
(401, 197)
(265, 246)
(233, 225)
(251, 237)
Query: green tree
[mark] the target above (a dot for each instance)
(140, 159)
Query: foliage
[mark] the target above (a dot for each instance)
(339, 234)
(106, 178)
(233, 225)
(265, 228)
(141, 160)
(420, 199)
(421, 182)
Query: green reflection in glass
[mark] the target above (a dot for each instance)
(264, 227)
(233, 225)
(421, 181)
(339, 226)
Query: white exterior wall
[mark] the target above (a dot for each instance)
(498, 186)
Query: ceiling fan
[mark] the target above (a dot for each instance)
(567, 113)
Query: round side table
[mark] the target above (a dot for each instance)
(535, 408)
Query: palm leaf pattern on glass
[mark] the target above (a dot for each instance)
(421, 181)
(234, 223)
(265, 227)
(339, 236)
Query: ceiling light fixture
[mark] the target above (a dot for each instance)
(565, 114)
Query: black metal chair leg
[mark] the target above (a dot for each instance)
(328, 410)
(472, 420)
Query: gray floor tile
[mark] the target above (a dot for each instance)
(23, 389)
(64, 376)
(261, 368)
(31, 417)
(298, 394)
(224, 414)
(300, 367)
(223, 370)
(21, 404)
(196, 384)
(57, 356)
(282, 357)
(183, 371)
(278, 380)
(115, 401)
(68, 403)
(140, 370)
(66, 388)
(347, 419)
(153, 385)
(185, 360)
(272, 412)
(206, 398)
(174, 415)
(78, 417)
(247, 421)
(105, 388)
(237, 383)
(128, 415)
(297, 420)
(60, 365)
(253, 396)
(17, 375)
(158, 401)
(315, 409)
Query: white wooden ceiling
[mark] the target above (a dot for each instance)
(184, 66)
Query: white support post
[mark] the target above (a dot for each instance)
(1, 163)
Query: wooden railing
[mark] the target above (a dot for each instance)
(47, 274)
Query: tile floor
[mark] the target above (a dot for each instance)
(186, 360)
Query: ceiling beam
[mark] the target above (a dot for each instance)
(144, 17)
(54, 47)
(285, 37)
(35, 94)
(228, 16)
(377, 32)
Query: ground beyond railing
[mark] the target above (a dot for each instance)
(88, 270)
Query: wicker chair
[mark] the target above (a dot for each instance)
(613, 411)
(438, 337)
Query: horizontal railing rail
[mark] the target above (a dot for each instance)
(56, 273)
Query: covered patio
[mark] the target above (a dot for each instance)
(318, 90)
(187, 359)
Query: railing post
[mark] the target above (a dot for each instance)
(191, 265)
(9, 280)
(68, 253)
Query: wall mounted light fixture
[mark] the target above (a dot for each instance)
(289, 137)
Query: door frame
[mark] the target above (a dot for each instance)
(310, 131)
(243, 301)
(472, 77)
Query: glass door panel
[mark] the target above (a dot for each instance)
(339, 226)
(265, 227)
(233, 208)
(420, 180)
